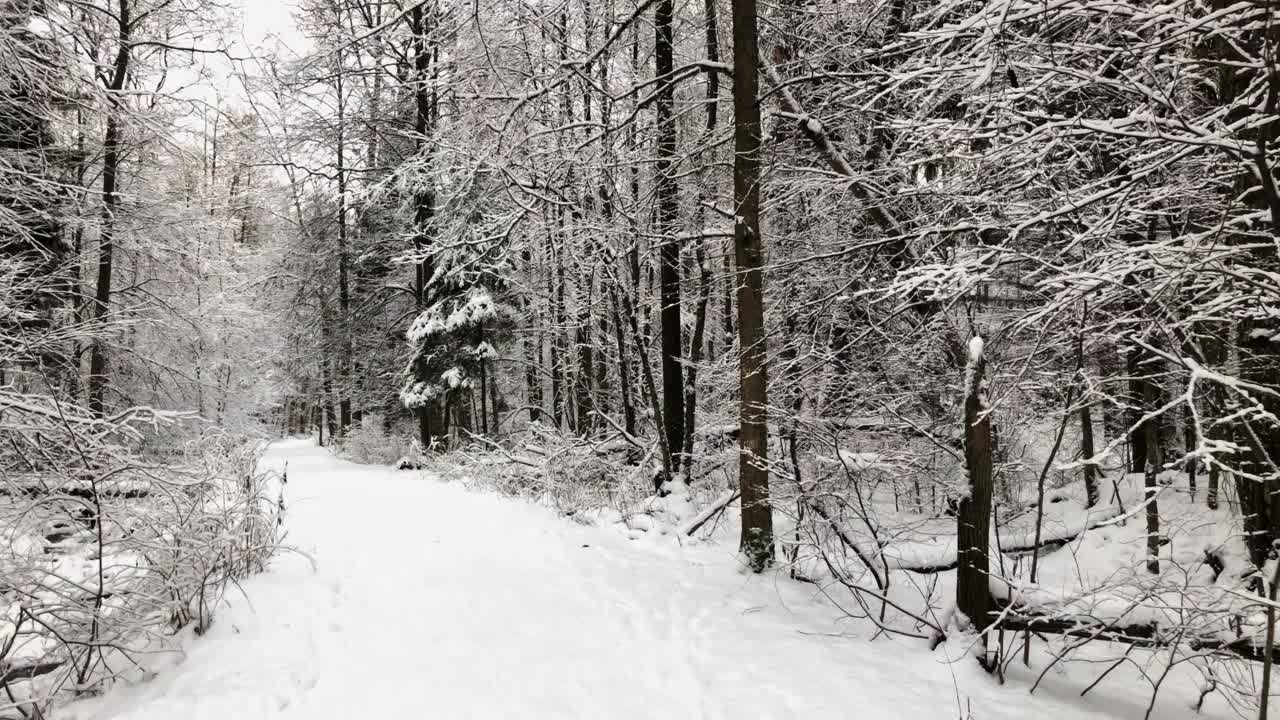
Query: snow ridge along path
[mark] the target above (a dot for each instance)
(429, 601)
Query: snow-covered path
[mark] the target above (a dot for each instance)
(429, 601)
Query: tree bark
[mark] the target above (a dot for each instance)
(695, 352)
(624, 367)
(345, 360)
(1256, 483)
(756, 541)
(1087, 448)
(110, 204)
(666, 192)
(695, 357)
(973, 516)
(1151, 471)
(1087, 451)
(1189, 444)
(1138, 436)
(423, 202)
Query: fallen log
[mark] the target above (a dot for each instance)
(1139, 634)
(78, 484)
(1010, 544)
(28, 672)
(83, 493)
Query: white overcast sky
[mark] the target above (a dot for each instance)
(268, 20)
(262, 27)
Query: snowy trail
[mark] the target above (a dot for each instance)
(427, 600)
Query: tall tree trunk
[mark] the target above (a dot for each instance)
(624, 367)
(695, 357)
(1189, 444)
(346, 349)
(1257, 430)
(585, 352)
(110, 203)
(75, 294)
(423, 202)
(533, 383)
(484, 393)
(1256, 477)
(756, 541)
(1151, 471)
(652, 389)
(704, 271)
(1138, 436)
(668, 210)
(556, 292)
(973, 516)
(330, 417)
(1087, 450)
(532, 344)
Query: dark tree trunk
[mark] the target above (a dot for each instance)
(557, 281)
(624, 368)
(345, 360)
(446, 418)
(1215, 354)
(494, 403)
(1256, 478)
(695, 357)
(533, 383)
(1087, 450)
(1138, 437)
(1211, 491)
(484, 393)
(586, 364)
(668, 211)
(424, 203)
(1257, 474)
(756, 541)
(330, 417)
(712, 39)
(533, 354)
(110, 203)
(1151, 470)
(704, 270)
(560, 381)
(973, 515)
(1189, 441)
(726, 303)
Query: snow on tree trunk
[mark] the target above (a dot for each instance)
(973, 517)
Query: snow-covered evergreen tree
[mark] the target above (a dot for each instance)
(453, 340)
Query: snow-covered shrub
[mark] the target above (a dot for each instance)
(107, 555)
(592, 481)
(580, 480)
(370, 444)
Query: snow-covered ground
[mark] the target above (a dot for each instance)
(419, 599)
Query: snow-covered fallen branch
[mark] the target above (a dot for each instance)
(1140, 633)
(715, 508)
(931, 558)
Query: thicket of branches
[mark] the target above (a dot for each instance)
(130, 493)
(523, 223)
